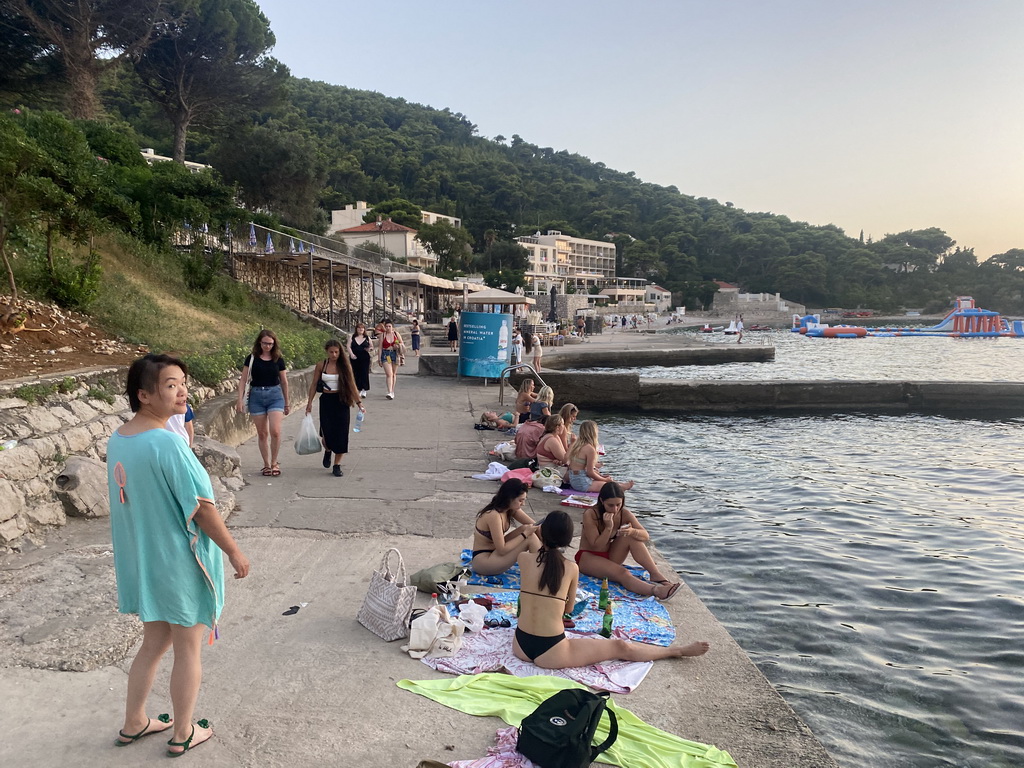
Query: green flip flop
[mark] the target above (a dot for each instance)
(164, 718)
(187, 743)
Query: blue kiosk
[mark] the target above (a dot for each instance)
(485, 332)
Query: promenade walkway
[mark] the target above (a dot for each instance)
(317, 689)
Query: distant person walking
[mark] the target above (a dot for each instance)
(338, 393)
(453, 333)
(268, 397)
(392, 355)
(183, 424)
(169, 544)
(360, 353)
(518, 347)
(538, 352)
(414, 333)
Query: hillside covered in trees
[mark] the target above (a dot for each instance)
(201, 84)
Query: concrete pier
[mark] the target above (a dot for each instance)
(315, 688)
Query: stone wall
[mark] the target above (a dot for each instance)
(57, 467)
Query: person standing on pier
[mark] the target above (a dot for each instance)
(169, 544)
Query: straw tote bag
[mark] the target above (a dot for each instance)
(388, 604)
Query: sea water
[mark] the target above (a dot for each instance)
(871, 566)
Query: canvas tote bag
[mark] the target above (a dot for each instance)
(388, 604)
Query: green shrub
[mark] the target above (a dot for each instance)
(199, 269)
(301, 348)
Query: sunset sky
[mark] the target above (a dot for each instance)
(875, 115)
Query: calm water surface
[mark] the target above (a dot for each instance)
(870, 565)
(924, 359)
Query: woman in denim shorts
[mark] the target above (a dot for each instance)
(268, 397)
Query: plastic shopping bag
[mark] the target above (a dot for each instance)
(307, 441)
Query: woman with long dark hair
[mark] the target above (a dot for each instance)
(360, 353)
(548, 592)
(338, 393)
(610, 533)
(169, 544)
(495, 544)
(268, 396)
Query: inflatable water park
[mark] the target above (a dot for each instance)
(964, 321)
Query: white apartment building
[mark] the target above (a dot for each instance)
(352, 216)
(399, 240)
(561, 260)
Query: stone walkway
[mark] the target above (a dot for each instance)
(315, 688)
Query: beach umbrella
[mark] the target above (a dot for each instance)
(205, 228)
(302, 247)
(252, 234)
(291, 245)
(270, 245)
(310, 249)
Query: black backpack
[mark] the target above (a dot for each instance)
(558, 734)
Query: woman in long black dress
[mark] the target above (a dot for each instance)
(360, 352)
(453, 333)
(338, 394)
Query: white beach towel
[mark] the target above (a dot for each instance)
(494, 472)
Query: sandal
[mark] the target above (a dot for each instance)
(187, 743)
(671, 591)
(275, 471)
(267, 471)
(147, 731)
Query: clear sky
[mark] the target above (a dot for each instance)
(873, 115)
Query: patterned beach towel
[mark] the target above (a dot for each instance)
(491, 651)
(640, 620)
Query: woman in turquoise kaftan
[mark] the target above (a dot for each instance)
(155, 535)
(169, 547)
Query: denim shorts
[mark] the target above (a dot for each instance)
(263, 400)
(579, 480)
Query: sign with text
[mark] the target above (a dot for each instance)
(484, 344)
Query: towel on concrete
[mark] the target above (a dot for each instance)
(510, 580)
(642, 621)
(491, 651)
(502, 755)
(512, 698)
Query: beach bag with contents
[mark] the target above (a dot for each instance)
(388, 604)
(559, 733)
(307, 441)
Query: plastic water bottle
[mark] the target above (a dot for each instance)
(602, 600)
(8, 445)
(360, 418)
(433, 601)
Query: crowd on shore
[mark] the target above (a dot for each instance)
(169, 540)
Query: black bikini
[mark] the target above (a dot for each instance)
(537, 645)
(487, 535)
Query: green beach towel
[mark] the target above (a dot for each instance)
(512, 698)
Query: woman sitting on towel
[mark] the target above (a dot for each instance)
(610, 532)
(524, 400)
(541, 407)
(548, 592)
(581, 459)
(551, 448)
(495, 544)
(568, 412)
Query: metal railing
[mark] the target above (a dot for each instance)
(505, 374)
